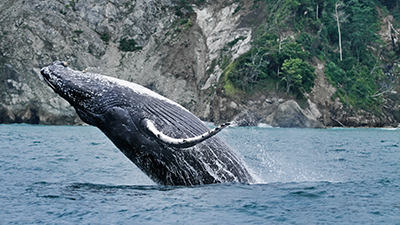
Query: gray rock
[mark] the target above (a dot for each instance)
(247, 118)
(289, 114)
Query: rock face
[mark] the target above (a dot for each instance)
(164, 45)
(280, 113)
(289, 114)
(171, 54)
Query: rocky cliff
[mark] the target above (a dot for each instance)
(168, 46)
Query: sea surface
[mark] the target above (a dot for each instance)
(75, 175)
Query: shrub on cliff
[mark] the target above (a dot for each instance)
(128, 45)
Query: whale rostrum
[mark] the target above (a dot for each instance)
(181, 142)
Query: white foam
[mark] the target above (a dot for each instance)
(264, 125)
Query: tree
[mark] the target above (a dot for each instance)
(340, 17)
(251, 70)
(297, 73)
(292, 5)
(362, 29)
(291, 71)
(128, 45)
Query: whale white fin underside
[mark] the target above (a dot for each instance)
(181, 142)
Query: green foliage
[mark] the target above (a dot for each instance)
(275, 58)
(238, 8)
(357, 77)
(292, 4)
(200, 2)
(355, 86)
(186, 23)
(234, 42)
(63, 12)
(229, 86)
(361, 30)
(248, 71)
(230, 89)
(78, 32)
(264, 64)
(128, 45)
(105, 37)
(291, 49)
(297, 74)
(291, 69)
(73, 3)
(183, 7)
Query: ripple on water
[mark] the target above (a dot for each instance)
(75, 175)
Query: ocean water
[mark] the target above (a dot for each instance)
(75, 175)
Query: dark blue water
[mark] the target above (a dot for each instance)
(74, 175)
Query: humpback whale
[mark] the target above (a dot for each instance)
(167, 142)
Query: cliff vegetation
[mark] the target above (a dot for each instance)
(356, 40)
(286, 63)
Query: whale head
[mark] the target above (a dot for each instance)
(90, 94)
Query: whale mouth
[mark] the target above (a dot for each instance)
(52, 79)
(55, 82)
(58, 77)
(47, 76)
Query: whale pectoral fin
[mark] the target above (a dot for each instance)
(184, 142)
